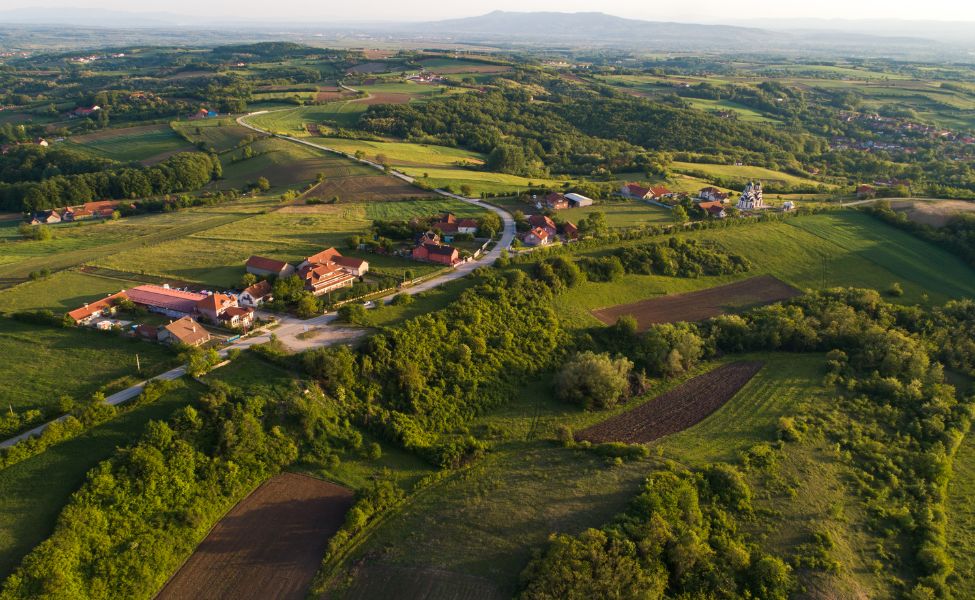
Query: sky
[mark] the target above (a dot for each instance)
(422, 10)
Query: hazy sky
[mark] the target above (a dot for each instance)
(684, 10)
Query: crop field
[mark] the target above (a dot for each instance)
(65, 252)
(851, 249)
(292, 121)
(285, 164)
(44, 363)
(404, 153)
(676, 410)
(219, 135)
(216, 255)
(703, 304)
(270, 545)
(147, 143)
(446, 66)
(743, 173)
(372, 187)
(33, 491)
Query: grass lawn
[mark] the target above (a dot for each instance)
(745, 114)
(743, 173)
(403, 153)
(147, 143)
(45, 362)
(479, 181)
(61, 292)
(216, 256)
(219, 135)
(285, 165)
(856, 249)
(343, 113)
(961, 520)
(621, 214)
(33, 492)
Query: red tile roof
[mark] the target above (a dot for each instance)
(659, 190)
(88, 310)
(637, 190)
(214, 303)
(266, 264)
(324, 256)
(260, 289)
(188, 331)
(541, 221)
(349, 261)
(540, 233)
(160, 297)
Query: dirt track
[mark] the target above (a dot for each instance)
(703, 304)
(684, 406)
(268, 546)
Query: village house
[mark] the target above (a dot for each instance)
(349, 264)
(635, 192)
(578, 200)
(184, 331)
(751, 197)
(89, 312)
(85, 111)
(865, 191)
(429, 237)
(445, 255)
(658, 191)
(713, 209)
(449, 224)
(255, 295)
(712, 194)
(543, 222)
(45, 217)
(570, 231)
(264, 267)
(164, 300)
(537, 237)
(237, 317)
(555, 201)
(323, 278)
(213, 306)
(203, 113)
(41, 142)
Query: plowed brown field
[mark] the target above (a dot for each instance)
(366, 188)
(686, 405)
(268, 546)
(703, 304)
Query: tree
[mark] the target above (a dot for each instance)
(262, 184)
(680, 214)
(466, 190)
(308, 306)
(594, 380)
(248, 280)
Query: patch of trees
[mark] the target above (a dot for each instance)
(595, 381)
(182, 172)
(141, 513)
(680, 258)
(678, 538)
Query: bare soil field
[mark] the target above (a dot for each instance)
(365, 188)
(676, 410)
(268, 546)
(385, 98)
(933, 213)
(703, 304)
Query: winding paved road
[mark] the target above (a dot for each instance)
(319, 331)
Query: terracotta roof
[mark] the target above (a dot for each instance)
(86, 311)
(324, 256)
(187, 331)
(540, 233)
(541, 221)
(260, 289)
(437, 249)
(236, 311)
(266, 264)
(448, 218)
(570, 227)
(467, 223)
(659, 190)
(349, 261)
(160, 297)
(637, 190)
(214, 302)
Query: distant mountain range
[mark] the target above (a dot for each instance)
(559, 29)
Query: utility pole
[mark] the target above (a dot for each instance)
(138, 365)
